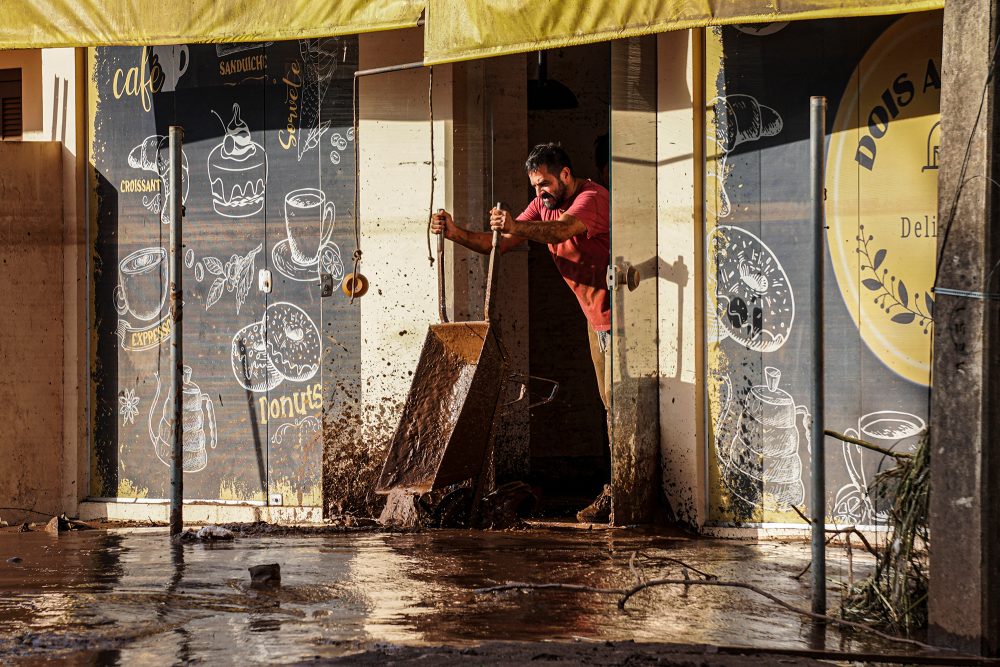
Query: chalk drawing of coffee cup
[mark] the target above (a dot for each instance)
(171, 59)
(309, 221)
(888, 429)
(142, 284)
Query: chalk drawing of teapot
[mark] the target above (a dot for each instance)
(763, 463)
(198, 412)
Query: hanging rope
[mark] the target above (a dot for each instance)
(430, 112)
(357, 190)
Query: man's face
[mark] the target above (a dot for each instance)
(550, 187)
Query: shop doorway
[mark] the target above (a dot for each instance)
(569, 96)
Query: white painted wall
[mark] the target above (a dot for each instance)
(682, 440)
(395, 178)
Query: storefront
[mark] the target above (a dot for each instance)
(292, 395)
(880, 76)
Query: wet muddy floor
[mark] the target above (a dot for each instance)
(133, 598)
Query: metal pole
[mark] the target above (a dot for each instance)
(176, 139)
(817, 144)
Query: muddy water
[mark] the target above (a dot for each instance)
(131, 597)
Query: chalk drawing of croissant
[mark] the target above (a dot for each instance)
(741, 118)
(738, 119)
(153, 155)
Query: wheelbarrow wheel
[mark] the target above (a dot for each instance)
(453, 510)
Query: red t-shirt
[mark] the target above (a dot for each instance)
(583, 260)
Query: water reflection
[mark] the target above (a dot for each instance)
(134, 598)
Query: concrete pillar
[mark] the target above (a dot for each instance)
(964, 595)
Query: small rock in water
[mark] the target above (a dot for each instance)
(56, 525)
(24, 528)
(265, 576)
(14, 560)
(212, 533)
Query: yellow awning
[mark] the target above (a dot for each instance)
(56, 23)
(483, 28)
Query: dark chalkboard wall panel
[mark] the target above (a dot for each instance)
(760, 261)
(269, 185)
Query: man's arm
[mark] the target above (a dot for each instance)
(556, 231)
(481, 242)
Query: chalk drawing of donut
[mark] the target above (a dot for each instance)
(282, 345)
(251, 366)
(293, 344)
(754, 301)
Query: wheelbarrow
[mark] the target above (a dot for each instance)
(449, 421)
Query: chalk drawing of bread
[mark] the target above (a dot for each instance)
(293, 343)
(741, 118)
(754, 300)
(715, 185)
(153, 155)
(251, 366)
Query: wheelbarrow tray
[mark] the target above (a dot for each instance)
(450, 413)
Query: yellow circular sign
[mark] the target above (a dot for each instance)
(882, 182)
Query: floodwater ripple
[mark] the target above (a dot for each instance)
(119, 597)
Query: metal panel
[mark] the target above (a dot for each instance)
(269, 187)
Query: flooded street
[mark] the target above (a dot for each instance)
(130, 597)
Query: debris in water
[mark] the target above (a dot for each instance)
(57, 524)
(503, 508)
(14, 560)
(265, 576)
(400, 510)
(210, 533)
(25, 528)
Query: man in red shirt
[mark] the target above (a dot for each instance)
(571, 215)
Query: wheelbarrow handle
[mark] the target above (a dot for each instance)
(494, 275)
(523, 380)
(442, 303)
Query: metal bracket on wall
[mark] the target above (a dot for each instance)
(326, 284)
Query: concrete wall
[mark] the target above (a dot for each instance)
(395, 175)
(31, 306)
(394, 139)
(52, 107)
(680, 96)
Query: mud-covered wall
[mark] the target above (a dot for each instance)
(679, 104)
(31, 306)
(268, 181)
(881, 79)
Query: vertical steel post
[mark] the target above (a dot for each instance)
(817, 144)
(176, 211)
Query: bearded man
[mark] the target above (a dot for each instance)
(571, 216)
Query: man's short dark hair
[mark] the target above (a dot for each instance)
(550, 155)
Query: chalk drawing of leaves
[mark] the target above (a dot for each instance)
(215, 293)
(214, 266)
(891, 293)
(245, 276)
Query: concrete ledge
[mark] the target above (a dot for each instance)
(780, 531)
(197, 513)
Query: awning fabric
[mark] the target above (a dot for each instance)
(60, 23)
(482, 28)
